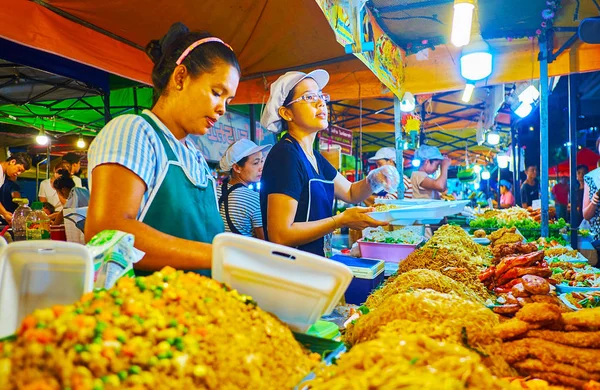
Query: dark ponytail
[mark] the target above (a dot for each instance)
(165, 52)
(64, 180)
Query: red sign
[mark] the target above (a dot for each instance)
(336, 135)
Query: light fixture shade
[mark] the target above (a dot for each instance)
(493, 138)
(42, 139)
(462, 22)
(503, 160)
(468, 92)
(485, 175)
(529, 95)
(416, 163)
(476, 66)
(523, 110)
(408, 102)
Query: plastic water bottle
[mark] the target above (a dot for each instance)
(37, 223)
(19, 216)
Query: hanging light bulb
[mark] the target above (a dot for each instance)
(468, 92)
(408, 103)
(476, 60)
(485, 175)
(42, 138)
(462, 22)
(81, 142)
(502, 159)
(493, 137)
(477, 168)
(416, 163)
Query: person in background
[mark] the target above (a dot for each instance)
(423, 186)
(47, 193)
(560, 191)
(530, 190)
(507, 199)
(146, 176)
(299, 184)
(240, 206)
(591, 211)
(387, 156)
(70, 195)
(15, 165)
(75, 160)
(10, 190)
(582, 170)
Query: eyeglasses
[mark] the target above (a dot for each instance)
(312, 97)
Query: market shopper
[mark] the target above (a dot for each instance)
(146, 177)
(507, 199)
(530, 189)
(48, 193)
(75, 160)
(11, 169)
(239, 205)
(299, 184)
(560, 191)
(425, 187)
(70, 195)
(387, 156)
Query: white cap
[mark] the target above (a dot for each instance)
(238, 150)
(384, 153)
(280, 90)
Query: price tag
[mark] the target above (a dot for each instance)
(537, 204)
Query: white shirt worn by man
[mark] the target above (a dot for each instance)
(48, 192)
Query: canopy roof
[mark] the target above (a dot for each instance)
(585, 157)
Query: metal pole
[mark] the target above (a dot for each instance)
(513, 142)
(252, 123)
(544, 134)
(399, 145)
(574, 184)
(107, 116)
(136, 108)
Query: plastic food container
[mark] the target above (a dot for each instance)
(40, 274)
(393, 253)
(324, 330)
(298, 287)
(368, 274)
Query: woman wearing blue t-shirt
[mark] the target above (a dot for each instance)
(298, 184)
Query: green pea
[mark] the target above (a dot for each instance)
(153, 361)
(118, 301)
(135, 370)
(98, 311)
(79, 311)
(173, 323)
(121, 339)
(79, 348)
(114, 293)
(41, 325)
(122, 375)
(170, 340)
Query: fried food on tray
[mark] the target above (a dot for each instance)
(500, 232)
(535, 365)
(555, 252)
(549, 353)
(586, 318)
(539, 312)
(545, 299)
(512, 328)
(536, 285)
(558, 379)
(592, 385)
(479, 233)
(573, 339)
(517, 248)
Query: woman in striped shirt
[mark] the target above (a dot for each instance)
(147, 178)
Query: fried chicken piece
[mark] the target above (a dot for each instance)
(534, 365)
(545, 299)
(510, 329)
(587, 318)
(536, 285)
(509, 238)
(479, 233)
(539, 312)
(518, 261)
(509, 308)
(550, 353)
(494, 236)
(558, 379)
(573, 328)
(592, 385)
(574, 339)
(503, 250)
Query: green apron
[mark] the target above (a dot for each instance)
(178, 207)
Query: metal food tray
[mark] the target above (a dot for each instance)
(431, 211)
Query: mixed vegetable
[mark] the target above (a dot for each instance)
(401, 236)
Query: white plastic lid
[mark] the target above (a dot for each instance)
(298, 287)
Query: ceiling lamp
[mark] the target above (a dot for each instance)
(408, 102)
(476, 60)
(493, 137)
(485, 175)
(502, 159)
(81, 142)
(468, 92)
(527, 98)
(42, 138)
(477, 168)
(462, 22)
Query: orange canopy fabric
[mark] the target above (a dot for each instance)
(268, 36)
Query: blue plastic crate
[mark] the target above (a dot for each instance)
(368, 275)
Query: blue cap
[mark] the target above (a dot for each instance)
(506, 184)
(427, 152)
